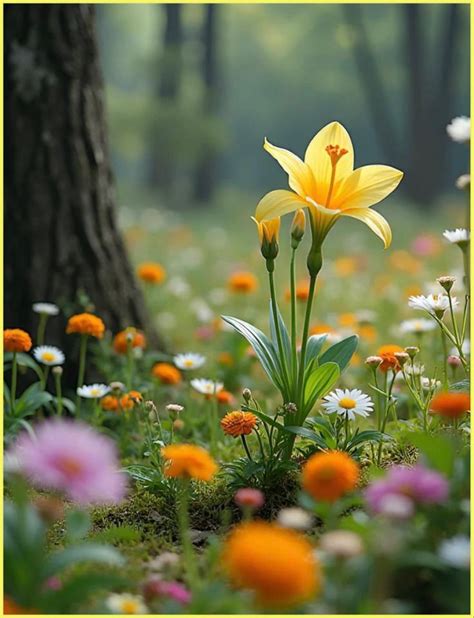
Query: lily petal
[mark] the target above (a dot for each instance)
(300, 177)
(373, 220)
(367, 186)
(278, 203)
(333, 134)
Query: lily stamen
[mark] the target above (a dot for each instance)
(335, 153)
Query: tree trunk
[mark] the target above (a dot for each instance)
(163, 159)
(205, 172)
(62, 243)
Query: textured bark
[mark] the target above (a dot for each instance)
(61, 236)
(205, 172)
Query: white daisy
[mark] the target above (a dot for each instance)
(414, 370)
(459, 129)
(428, 384)
(206, 387)
(46, 308)
(94, 391)
(459, 236)
(126, 603)
(456, 551)
(49, 355)
(190, 360)
(463, 181)
(348, 402)
(435, 304)
(422, 325)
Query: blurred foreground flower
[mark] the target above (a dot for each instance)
(188, 461)
(71, 457)
(277, 564)
(328, 476)
(450, 405)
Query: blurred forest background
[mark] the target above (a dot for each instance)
(192, 90)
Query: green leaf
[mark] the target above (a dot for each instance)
(319, 383)
(84, 553)
(306, 433)
(369, 435)
(262, 345)
(117, 533)
(77, 525)
(439, 450)
(285, 339)
(267, 419)
(314, 346)
(463, 385)
(341, 352)
(25, 361)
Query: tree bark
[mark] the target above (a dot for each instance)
(62, 242)
(205, 171)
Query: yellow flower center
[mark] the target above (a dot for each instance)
(48, 357)
(95, 392)
(188, 362)
(347, 403)
(129, 607)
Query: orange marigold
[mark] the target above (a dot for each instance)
(109, 403)
(224, 397)
(238, 423)
(282, 578)
(389, 360)
(243, 282)
(320, 329)
(86, 324)
(450, 405)
(188, 461)
(16, 340)
(328, 476)
(12, 608)
(151, 272)
(166, 373)
(121, 340)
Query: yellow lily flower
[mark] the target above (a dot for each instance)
(327, 184)
(268, 232)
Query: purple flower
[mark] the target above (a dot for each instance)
(73, 458)
(418, 484)
(156, 588)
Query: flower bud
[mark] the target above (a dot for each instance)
(178, 424)
(373, 361)
(57, 371)
(446, 282)
(295, 518)
(117, 386)
(463, 182)
(412, 351)
(401, 357)
(174, 408)
(298, 228)
(290, 408)
(247, 394)
(453, 361)
(268, 235)
(248, 497)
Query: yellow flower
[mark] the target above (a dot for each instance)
(268, 232)
(327, 184)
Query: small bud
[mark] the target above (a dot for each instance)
(342, 544)
(117, 386)
(295, 518)
(446, 282)
(463, 182)
(174, 408)
(298, 228)
(412, 351)
(401, 357)
(453, 360)
(268, 232)
(57, 371)
(373, 361)
(290, 408)
(247, 394)
(178, 424)
(150, 407)
(248, 497)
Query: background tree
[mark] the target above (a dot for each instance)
(62, 243)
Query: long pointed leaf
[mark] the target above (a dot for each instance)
(318, 384)
(341, 352)
(285, 339)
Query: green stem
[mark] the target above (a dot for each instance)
(304, 343)
(467, 275)
(43, 318)
(277, 331)
(183, 521)
(59, 397)
(445, 361)
(293, 316)
(14, 381)
(82, 370)
(129, 365)
(213, 421)
(244, 442)
(386, 411)
(44, 379)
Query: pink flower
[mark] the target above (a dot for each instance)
(71, 457)
(425, 245)
(155, 588)
(249, 498)
(418, 484)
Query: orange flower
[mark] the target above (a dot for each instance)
(320, 329)
(11, 608)
(224, 397)
(328, 476)
(348, 320)
(121, 340)
(403, 261)
(243, 282)
(16, 340)
(238, 423)
(367, 332)
(86, 324)
(166, 373)
(109, 403)
(346, 266)
(151, 272)
(225, 358)
(450, 405)
(301, 291)
(129, 400)
(188, 461)
(389, 360)
(286, 577)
